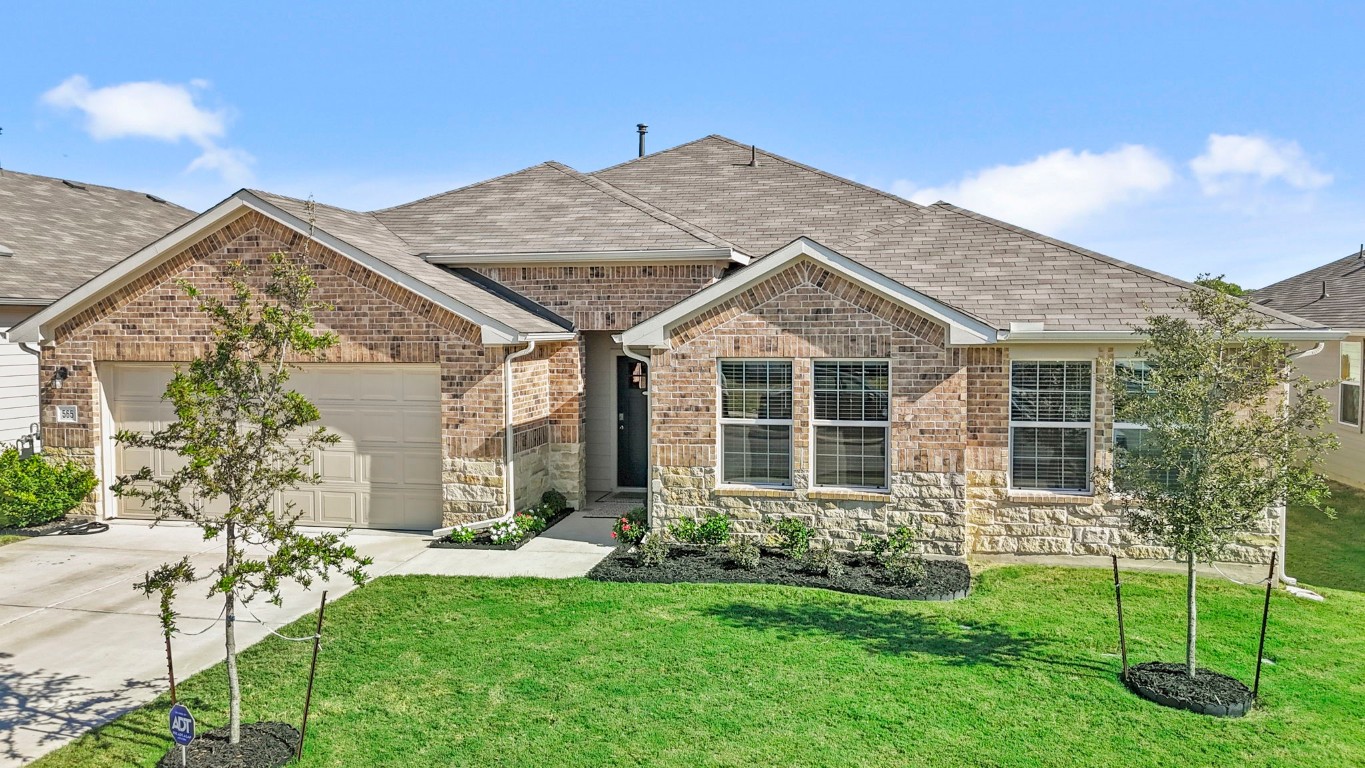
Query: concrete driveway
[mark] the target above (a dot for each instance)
(79, 646)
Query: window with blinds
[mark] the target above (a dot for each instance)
(852, 420)
(756, 422)
(1051, 425)
(1348, 393)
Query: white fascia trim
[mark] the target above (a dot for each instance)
(36, 328)
(1055, 337)
(595, 257)
(962, 328)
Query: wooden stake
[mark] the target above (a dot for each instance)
(1118, 602)
(312, 673)
(170, 666)
(1265, 618)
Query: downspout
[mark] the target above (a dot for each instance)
(649, 429)
(1284, 508)
(509, 445)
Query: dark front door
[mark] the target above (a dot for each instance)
(632, 428)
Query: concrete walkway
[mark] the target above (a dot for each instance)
(79, 646)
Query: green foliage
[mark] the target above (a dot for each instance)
(554, 501)
(243, 437)
(165, 582)
(1221, 285)
(654, 551)
(461, 535)
(508, 531)
(826, 562)
(744, 552)
(1231, 432)
(900, 554)
(631, 528)
(38, 489)
(530, 523)
(792, 535)
(713, 531)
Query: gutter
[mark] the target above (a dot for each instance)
(509, 485)
(1284, 508)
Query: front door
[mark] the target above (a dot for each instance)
(632, 428)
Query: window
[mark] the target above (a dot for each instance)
(1050, 425)
(852, 418)
(756, 422)
(1130, 437)
(1348, 407)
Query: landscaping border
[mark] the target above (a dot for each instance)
(1207, 694)
(442, 543)
(944, 579)
(263, 745)
(48, 528)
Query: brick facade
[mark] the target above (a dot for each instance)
(607, 297)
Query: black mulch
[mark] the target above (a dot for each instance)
(1208, 692)
(263, 745)
(483, 540)
(943, 579)
(52, 526)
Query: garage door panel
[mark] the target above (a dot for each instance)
(385, 471)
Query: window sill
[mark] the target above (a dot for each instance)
(754, 490)
(1049, 497)
(841, 494)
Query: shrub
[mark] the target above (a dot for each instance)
(506, 532)
(826, 562)
(38, 490)
(631, 528)
(530, 522)
(461, 535)
(711, 532)
(553, 502)
(744, 552)
(793, 537)
(654, 551)
(899, 554)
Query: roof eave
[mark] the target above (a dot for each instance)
(650, 256)
(1122, 337)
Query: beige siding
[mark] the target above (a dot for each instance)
(601, 408)
(1347, 463)
(18, 381)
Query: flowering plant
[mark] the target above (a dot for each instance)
(630, 528)
(506, 532)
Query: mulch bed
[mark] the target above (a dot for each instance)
(483, 539)
(263, 745)
(1208, 693)
(50, 527)
(943, 579)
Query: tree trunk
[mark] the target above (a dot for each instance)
(1193, 624)
(234, 685)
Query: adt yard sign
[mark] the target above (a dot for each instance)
(182, 725)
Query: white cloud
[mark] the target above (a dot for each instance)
(1056, 190)
(1230, 163)
(161, 111)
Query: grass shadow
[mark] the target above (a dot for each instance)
(905, 634)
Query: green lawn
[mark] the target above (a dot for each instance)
(1329, 553)
(5, 539)
(431, 671)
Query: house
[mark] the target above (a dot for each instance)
(713, 325)
(54, 235)
(1333, 294)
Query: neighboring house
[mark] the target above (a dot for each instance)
(54, 235)
(713, 325)
(1334, 295)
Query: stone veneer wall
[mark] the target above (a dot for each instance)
(950, 431)
(152, 320)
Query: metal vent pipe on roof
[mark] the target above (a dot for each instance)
(642, 129)
(1324, 290)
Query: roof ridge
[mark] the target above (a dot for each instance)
(460, 189)
(369, 214)
(1355, 255)
(887, 227)
(87, 184)
(826, 174)
(649, 209)
(655, 154)
(1110, 260)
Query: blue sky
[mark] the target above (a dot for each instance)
(1184, 137)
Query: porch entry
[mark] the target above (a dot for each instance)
(632, 427)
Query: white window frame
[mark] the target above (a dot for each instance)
(1088, 426)
(814, 422)
(722, 421)
(1359, 385)
(1118, 424)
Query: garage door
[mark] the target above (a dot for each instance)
(385, 472)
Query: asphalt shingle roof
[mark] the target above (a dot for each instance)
(545, 208)
(364, 231)
(1344, 305)
(64, 233)
(710, 182)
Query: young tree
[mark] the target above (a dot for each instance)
(245, 436)
(1231, 431)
